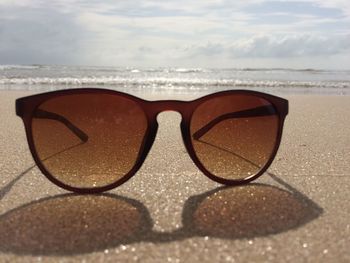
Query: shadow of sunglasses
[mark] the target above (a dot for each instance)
(72, 224)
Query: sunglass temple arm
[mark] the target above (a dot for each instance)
(42, 114)
(255, 112)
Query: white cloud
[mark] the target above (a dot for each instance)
(266, 46)
(30, 36)
(291, 46)
(156, 32)
(343, 5)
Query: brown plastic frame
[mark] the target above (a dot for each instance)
(26, 108)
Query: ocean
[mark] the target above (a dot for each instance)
(175, 80)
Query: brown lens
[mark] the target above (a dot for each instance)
(234, 136)
(88, 140)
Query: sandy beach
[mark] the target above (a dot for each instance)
(169, 212)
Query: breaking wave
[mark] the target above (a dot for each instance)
(172, 82)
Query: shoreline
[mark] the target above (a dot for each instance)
(164, 92)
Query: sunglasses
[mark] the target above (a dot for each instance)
(92, 140)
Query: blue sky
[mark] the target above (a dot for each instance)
(182, 33)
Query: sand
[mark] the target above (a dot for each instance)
(169, 212)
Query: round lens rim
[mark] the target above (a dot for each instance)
(281, 107)
(145, 146)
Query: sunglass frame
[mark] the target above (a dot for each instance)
(26, 107)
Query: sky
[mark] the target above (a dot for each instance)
(178, 33)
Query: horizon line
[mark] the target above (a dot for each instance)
(177, 67)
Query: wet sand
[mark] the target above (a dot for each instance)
(169, 212)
